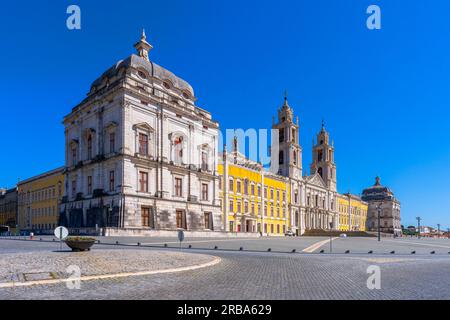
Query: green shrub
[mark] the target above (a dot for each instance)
(79, 238)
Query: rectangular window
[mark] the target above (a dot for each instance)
(246, 207)
(252, 190)
(238, 207)
(143, 181)
(181, 221)
(111, 181)
(208, 221)
(178, 187)
(143, 144)
(220, 183)
(238, 187)
(231, 204)
(145, 213)
(231, 185)
(112, 142)
(204, 191)
(259, 191)
(89, 191)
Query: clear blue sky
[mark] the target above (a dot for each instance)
(384, 94)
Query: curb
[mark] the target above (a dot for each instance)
(215, 261)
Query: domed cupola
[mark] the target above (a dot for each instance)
(377, 192)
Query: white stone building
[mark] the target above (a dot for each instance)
(140, 154)
(313, 197)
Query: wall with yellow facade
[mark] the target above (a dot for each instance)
(39, 199)
(245, 191)
(356, 221)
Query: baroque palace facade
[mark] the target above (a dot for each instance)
(140, 154)
(283, 198)
(142, 157)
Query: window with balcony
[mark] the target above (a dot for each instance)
(143, 144)
(112, 142)
(143, 181)
(178, 187)
(204, 191)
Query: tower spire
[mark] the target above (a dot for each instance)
(143, 47)
(285, 104)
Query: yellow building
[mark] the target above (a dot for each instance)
(246, 191)
(38, 201)
(352, 213)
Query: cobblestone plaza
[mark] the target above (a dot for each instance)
(278, 274)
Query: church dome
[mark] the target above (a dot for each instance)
(142, 62)
(377, 192)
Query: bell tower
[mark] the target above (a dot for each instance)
(286, 160)
(323, 158)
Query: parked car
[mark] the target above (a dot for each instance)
(289, 234)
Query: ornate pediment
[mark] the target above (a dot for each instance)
(111, 126)
(316, 180)
(143, 126)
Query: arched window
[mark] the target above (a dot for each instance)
(320, 172)
(295, 158)
(281, 157)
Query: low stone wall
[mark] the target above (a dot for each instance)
(114, 232)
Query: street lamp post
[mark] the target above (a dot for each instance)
(439, 230)
(418, 226)
(331, 237)
(379, 223)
